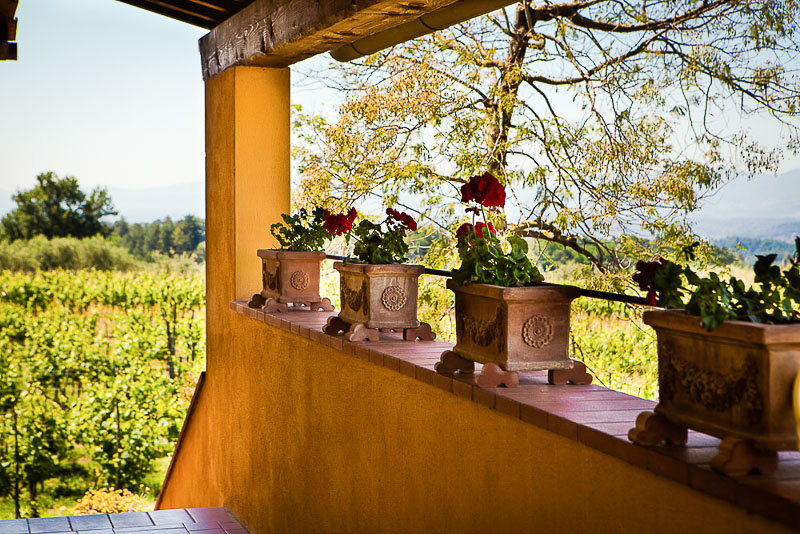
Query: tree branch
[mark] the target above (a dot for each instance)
(541, 229)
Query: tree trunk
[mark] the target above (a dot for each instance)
(33, 493)
(170, 326)
(502, 108)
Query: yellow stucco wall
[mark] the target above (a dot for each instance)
(247, 171)
(293, 436)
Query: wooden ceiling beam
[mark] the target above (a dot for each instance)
(277, 33)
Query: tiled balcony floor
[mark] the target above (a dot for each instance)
(593, 415)
(199, 520)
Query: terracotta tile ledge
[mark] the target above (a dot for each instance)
(593, 415)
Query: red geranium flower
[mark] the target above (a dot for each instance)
(403, 218)
(645, 277)
(464, 230)
(484, 189)
(340, 223)
(480, 226)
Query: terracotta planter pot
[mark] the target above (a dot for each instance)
(378, 297)
(517, 328)
(734, 383)
(290, 277)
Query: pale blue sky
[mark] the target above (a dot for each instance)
(106, 92)
(113, 95)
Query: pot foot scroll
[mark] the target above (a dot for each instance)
(323, 305)
(653, 428)
(423, 332)
(576, 375)
(256, 301)
(273, 306)
(493, 376)
(359, 332)
(335, 326)
(738, 457)
(451, 363)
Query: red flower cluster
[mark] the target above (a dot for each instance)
(463, 231)
(403, 218)
(485, 190)
(465, 228)
(340, 223)
(645, 277)
(480, 226)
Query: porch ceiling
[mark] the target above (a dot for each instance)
(203, 13)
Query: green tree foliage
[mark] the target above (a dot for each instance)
(604, 118)
(614, 343)
(70, 253)
(188, 233)
(56, 207)
(144, 240)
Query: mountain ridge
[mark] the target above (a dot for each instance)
(766, 206)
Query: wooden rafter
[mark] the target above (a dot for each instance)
(203, 13)
(278, 33)
(8, 29)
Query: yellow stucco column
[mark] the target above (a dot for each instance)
(247, 182)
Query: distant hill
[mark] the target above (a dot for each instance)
(777, 229)
(767, 206)
(746, 249)
(145, 205)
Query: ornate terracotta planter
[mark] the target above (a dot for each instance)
(378, 297)
(734, 383)
(289, 277)
(513, 329)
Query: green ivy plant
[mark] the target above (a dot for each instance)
(302, 232)
(484, 258)
(384, 242)
(773, 299)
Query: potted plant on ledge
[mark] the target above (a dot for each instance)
(503, 320)
(379, 292)
(727, 360)
(290, 275)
